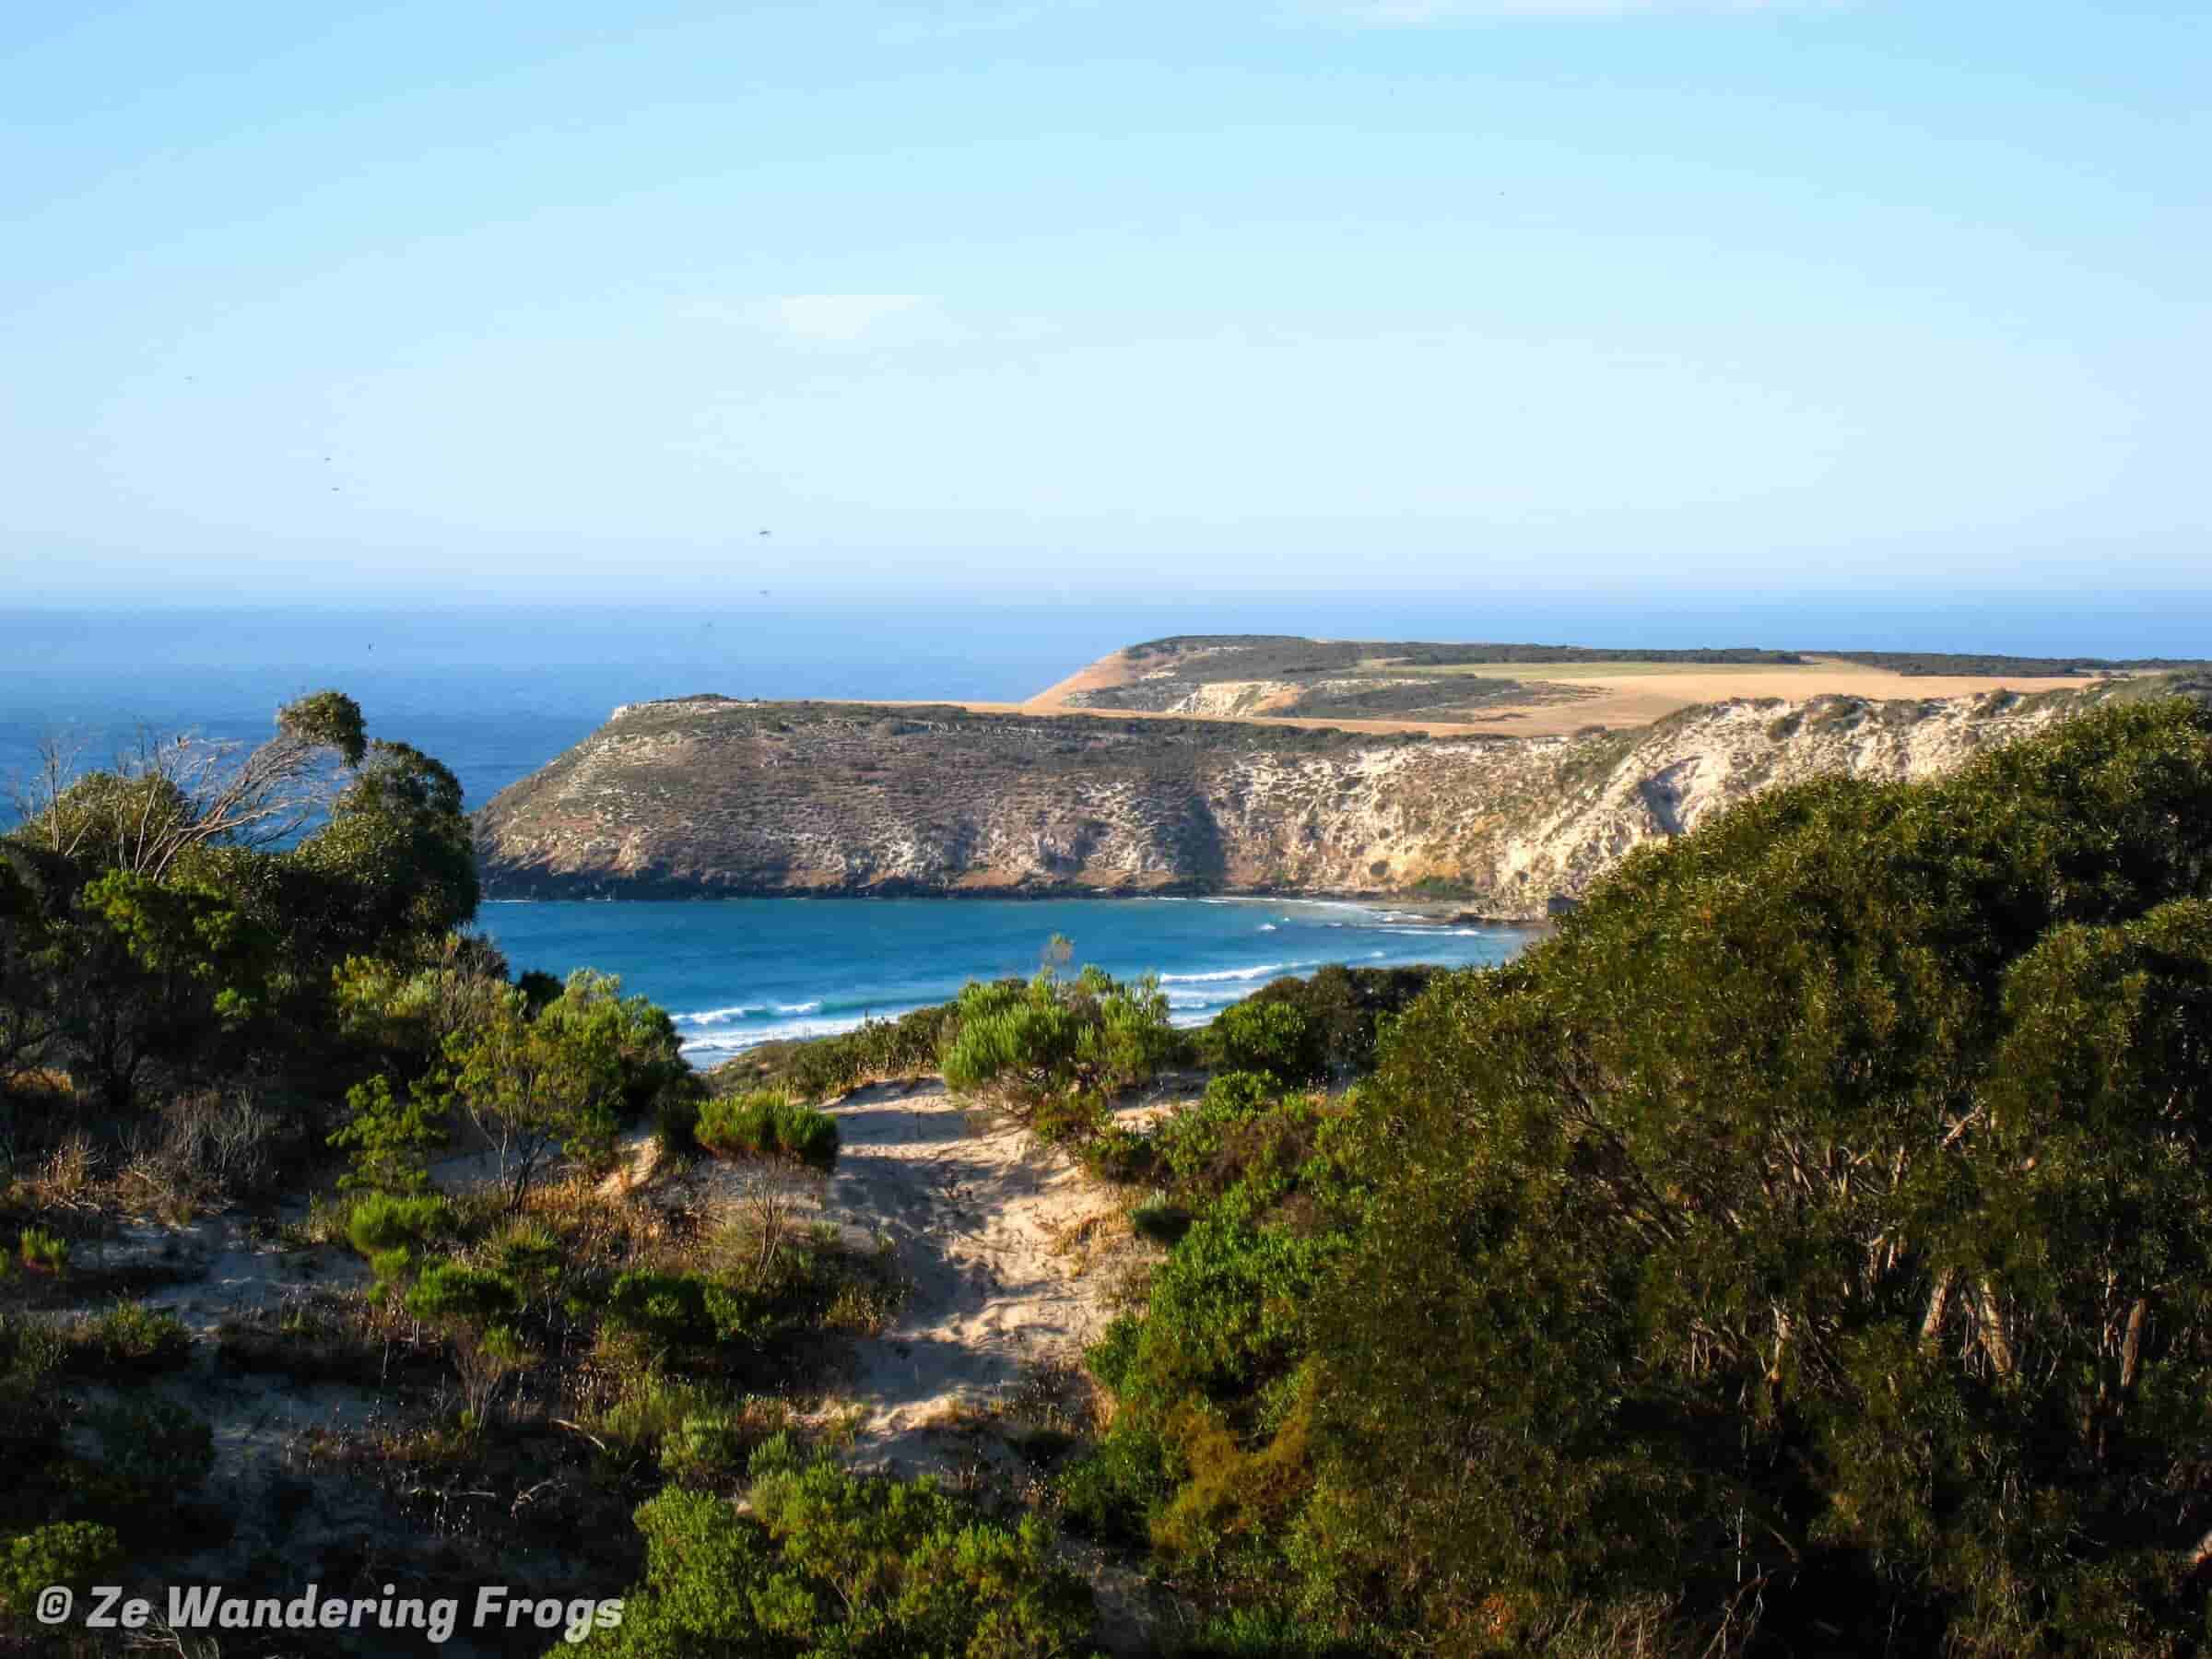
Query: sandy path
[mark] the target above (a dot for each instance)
(974, 1210)
(990, 1228)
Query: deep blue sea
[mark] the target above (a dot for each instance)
(496, 692)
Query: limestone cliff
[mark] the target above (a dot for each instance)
(708, 796)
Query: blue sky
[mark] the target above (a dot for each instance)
(407, 301)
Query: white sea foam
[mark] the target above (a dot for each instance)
(714, 1016)
(1261, 972)
(1218, 997)
(722, 1044)
(706, 1016)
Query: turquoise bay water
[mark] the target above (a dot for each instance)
(498, 691)
(739, 971)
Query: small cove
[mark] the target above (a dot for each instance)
(736, 972)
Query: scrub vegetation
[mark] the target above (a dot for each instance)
(227, 977)
(1807, 1247)
(1804, 1249)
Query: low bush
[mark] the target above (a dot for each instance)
(1272, 1038)
(675, 1310)
(649, 1407)
(390, 1135)
(386, 1221)
(74, 1553)
(42, 1251)
(714, 1448)
(1119, 1154)
(530, 1255)
(1346, 1011)
(1258, 1199)
(1114, 1488)
(470, 1296)
(1058, 1039)
(769, 1125)
(1240, 1133)
(835, 1563)
(1161, 1219)
(30, 1351)
(130, 1338)
(824, 1066)
(393, 1269)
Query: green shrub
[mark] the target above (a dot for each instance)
(769, 1125)
(686, 1310)
(1226, 1312)
(393, 1269)
(702, 1451)
(1118, 1154)
(75, 1553)
(1238, 1136)
(714, 1448)
(31, 1350)
(1112, 1490)
(651, 1407)
(42, 1251)
(558, 1080)
(808, 1137)
(669, 1309)
(1272, 1038)
(824, 1066)
(1276, 1633)
(1054, 1040)
(390, 1138)
(530, 1254)
(1346, 1011)
(386, 1221)
(1207, 1454)
(839, 1564)
(473, 1295)
(1188, 1141)
(128, 1337)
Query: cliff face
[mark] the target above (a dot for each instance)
(711, 797)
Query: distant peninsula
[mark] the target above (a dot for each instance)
(1503, 778)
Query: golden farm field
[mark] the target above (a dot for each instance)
(1613, 694)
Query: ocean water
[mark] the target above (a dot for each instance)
(497, 691)
(739, 971)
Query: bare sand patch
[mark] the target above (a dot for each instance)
(1104, 675)
(1011, 1256)
(1012, 1259)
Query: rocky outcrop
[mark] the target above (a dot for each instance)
(708, 796)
